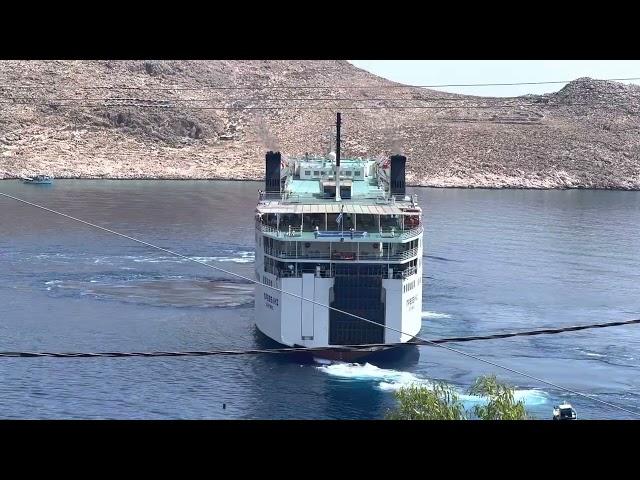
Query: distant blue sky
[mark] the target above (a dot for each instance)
(430, 72)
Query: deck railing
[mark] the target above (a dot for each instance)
(390, 232)
(343, 255)
(315, 198)
(331, 273)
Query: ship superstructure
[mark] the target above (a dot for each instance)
(343, 233)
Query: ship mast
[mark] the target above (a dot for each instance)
(338, 122)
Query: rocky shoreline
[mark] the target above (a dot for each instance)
(186, 121)
(450, 183)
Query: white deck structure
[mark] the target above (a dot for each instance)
(361, 253)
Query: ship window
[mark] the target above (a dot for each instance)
(356, 173)
(307, 172)
(316, 173)
(348, 173)
(409, 286)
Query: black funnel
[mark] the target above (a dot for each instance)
(273, 161)
(398, 163)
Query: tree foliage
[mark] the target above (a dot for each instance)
(441, 402)
(421, 403)
(501, 403)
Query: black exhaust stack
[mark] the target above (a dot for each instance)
(397, 175)
(272, 171)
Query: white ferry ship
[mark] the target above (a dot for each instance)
(343, 233)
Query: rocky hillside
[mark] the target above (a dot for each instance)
(87, 120)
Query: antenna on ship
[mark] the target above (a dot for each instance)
(338, 122)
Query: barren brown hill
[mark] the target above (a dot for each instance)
(87, 121)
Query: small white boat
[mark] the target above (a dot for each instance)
(564, 412)
(39, 180)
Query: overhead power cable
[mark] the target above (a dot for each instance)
(168, 106)
(297, 87)
(311, 350)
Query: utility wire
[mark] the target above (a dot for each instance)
(302, 87)
(332, 108)
(426, 341)
(315, 99)
(340, 348)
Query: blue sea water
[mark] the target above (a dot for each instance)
(495, 261)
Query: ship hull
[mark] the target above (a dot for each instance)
(336, 354)
(352, 356)
(290, 321)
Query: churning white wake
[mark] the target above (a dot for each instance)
(391, 380)
(243, 256)
(428, 314)
(239, 257)
(356, 371)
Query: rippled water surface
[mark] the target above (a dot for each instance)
(495, 261)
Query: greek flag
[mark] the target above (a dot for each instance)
(339, 219)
